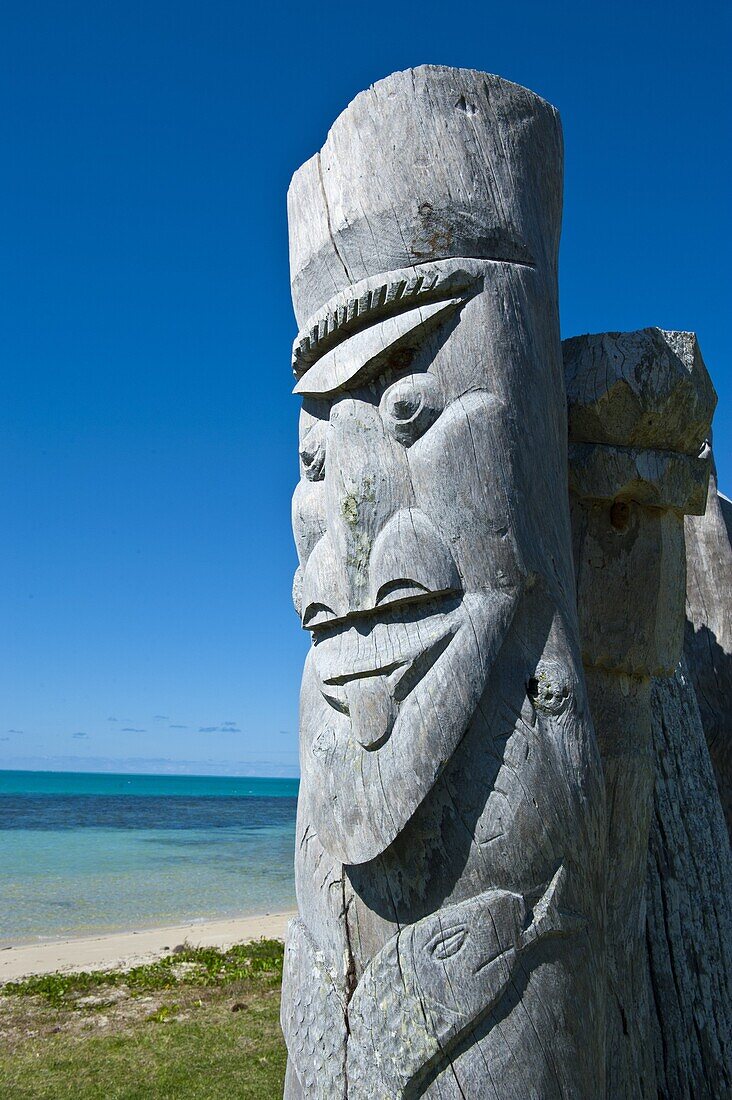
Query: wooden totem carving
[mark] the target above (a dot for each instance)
(451, 829)
(708, 635)
(640, 409)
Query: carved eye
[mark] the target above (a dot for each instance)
(447, 942)
(411, 406)
(312, 451)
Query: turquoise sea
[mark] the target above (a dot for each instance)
(83, 853)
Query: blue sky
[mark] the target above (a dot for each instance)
(147, 433)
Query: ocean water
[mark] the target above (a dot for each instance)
(83, 853)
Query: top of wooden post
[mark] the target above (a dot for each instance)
(648, 388)
(427, 164)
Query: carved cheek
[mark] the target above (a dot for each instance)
(308, 517)
(313, 451)
(472, 509)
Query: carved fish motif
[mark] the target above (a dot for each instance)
(417, 997)
(313, 1018)
(437, 978)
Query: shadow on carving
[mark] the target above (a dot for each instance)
(710, 668)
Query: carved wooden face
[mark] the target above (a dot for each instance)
(410, 529)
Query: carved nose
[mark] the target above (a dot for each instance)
(378, 549)
(366, 482)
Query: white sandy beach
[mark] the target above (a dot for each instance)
(124, 949)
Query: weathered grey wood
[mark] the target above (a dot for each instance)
(640, 407)
(433, 983)
(689, 905)
(450, 776)
(314, 1024)
(648, 388)
(708, 637)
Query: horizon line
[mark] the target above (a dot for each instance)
(146, 774)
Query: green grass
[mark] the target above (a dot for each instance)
(200, 1024)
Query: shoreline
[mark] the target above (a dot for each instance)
(122, 950)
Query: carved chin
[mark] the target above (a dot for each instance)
(375, 737)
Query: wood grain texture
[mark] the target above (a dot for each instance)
(428, 164)
(708, 637)
(436, 980)
(461, 932)
(689, 905)
(646, 389)
(313, 1021)
(640, 407)
(451, 835)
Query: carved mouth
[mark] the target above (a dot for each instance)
(368, 676)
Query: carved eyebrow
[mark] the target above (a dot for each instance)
(373, 299)
(367, 351)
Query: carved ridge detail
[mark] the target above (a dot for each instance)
(371, 299)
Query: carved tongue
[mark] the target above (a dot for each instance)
(372, 709)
